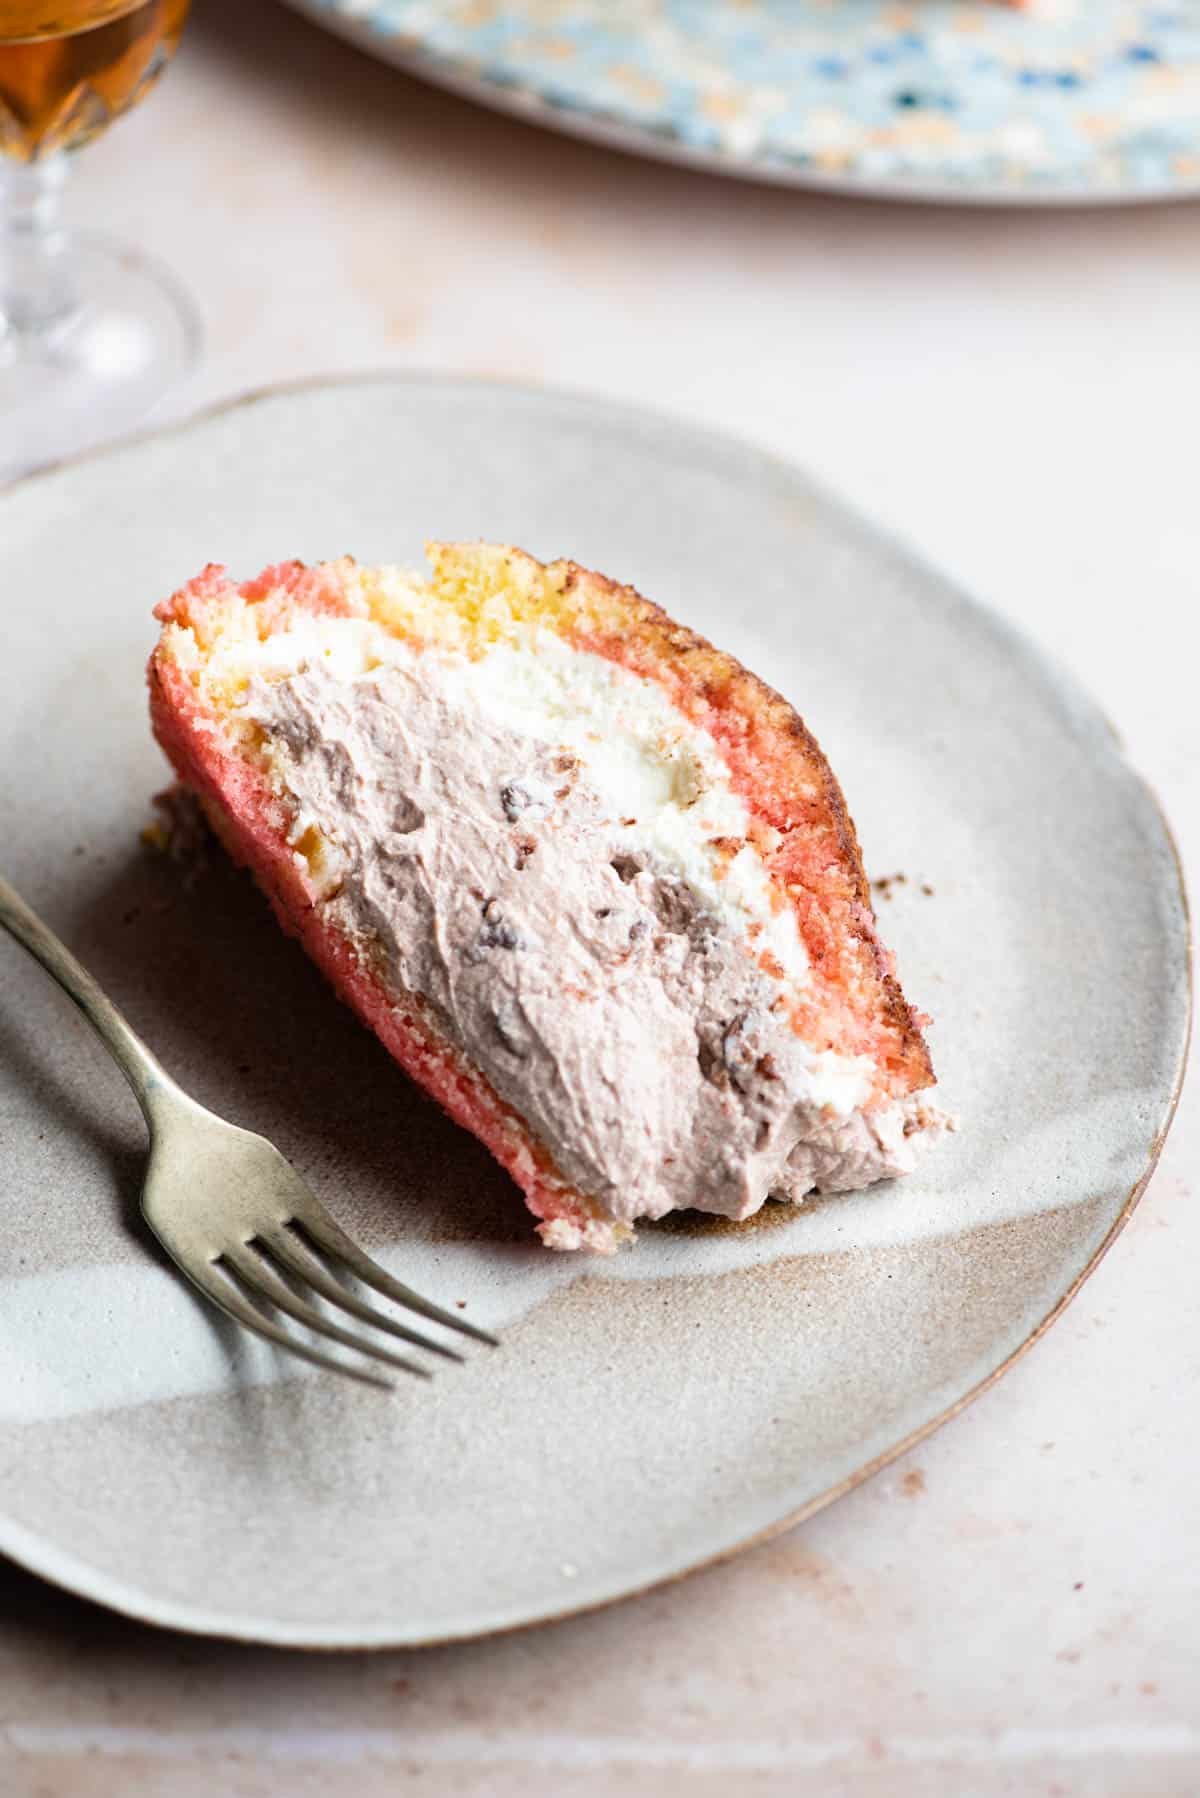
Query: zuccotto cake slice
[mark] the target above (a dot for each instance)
(591, 882)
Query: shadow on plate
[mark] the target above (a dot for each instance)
(245, 1023)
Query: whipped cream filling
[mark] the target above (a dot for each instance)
(526, 840)
(659, 776)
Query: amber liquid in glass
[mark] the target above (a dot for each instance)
(69, 67)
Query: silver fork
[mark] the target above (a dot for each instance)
(233, 1215)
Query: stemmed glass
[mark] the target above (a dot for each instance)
(91, 332)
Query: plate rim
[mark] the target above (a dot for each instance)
(532, 108)
(68, 1571)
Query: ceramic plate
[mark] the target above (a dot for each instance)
(1082, 101)
(650, 1412)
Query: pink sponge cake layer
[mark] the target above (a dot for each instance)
(591, 884)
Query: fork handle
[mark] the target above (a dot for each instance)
(145, 1074)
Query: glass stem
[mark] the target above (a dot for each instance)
(36, 292)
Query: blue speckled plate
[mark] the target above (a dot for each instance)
(1080, 101)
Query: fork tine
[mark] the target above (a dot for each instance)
(264, 1283)
(227, 1298)
(279, 1245)
(315, 1222)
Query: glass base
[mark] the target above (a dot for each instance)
(96, 366)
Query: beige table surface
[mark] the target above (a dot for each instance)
(1015, 1608)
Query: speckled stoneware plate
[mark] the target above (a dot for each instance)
(647, 1413)
(1081, 101)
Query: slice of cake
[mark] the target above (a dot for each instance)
(591, 883)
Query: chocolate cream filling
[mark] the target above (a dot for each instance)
(605, 1000)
